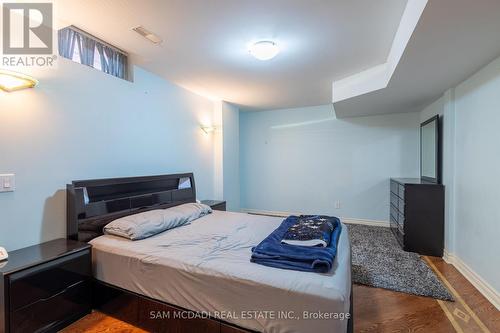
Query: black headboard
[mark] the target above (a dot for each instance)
(91, 204)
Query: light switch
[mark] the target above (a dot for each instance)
(7, 182)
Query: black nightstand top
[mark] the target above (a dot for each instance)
(212, 203)
(41, 253)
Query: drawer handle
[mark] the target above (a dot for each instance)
(53, 296)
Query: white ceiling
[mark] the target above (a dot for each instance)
(453, 39)
(205, 43)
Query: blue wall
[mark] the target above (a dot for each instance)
(471, 119)
(80, 123)
(477, 180)
(303, 160)
(231, 156)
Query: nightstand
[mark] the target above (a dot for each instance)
(45, 287)
(215, 204)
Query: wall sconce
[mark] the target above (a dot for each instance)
(208, 129)
(12, 81)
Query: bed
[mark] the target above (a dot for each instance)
(198, 277)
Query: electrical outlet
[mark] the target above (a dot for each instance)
(337, 204)
(7, 182)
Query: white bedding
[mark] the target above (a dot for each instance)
(205, 266)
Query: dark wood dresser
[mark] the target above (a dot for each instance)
(417, 215)
(215, 204)
(45, 287)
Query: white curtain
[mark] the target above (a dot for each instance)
(112, 60)
(67, 42)
(118, 62)
(87, 48)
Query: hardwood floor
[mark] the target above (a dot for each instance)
(472, 311)
(98, 322)
(380, 310)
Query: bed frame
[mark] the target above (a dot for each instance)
(91, 204)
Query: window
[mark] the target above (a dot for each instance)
(79, 46)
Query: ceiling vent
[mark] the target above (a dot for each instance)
(155, 39)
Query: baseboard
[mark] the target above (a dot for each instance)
(374, 223)
(268, 212)
(343, 219)
(478, 282)
(447, 257)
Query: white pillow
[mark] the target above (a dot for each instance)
(150, 223)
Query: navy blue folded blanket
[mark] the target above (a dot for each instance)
(271, 252)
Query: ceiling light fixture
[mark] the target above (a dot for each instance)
(12, 81)
(264, 50)
(153, 38)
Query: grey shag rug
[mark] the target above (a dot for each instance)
(379, 261)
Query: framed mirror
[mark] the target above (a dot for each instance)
(430, 150)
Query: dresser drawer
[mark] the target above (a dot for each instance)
(395, 200)
(393, 222)
(401, 219)
(394, 212)
(401, 228)
(394, 187)
(401, 191)
(53, 313)
(399, 236)
(48, 279)
(401, 205)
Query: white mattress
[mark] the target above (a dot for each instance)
(205, 266)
